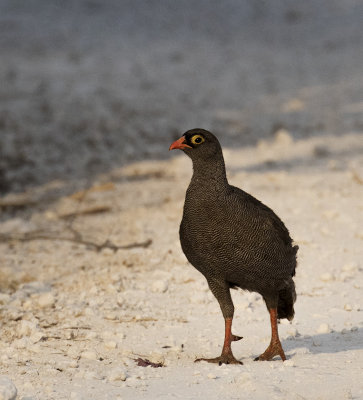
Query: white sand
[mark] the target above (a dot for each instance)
(84, 316)
(72, 319)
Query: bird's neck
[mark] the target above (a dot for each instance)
(210, 173)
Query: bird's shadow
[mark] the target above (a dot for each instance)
(333, 342)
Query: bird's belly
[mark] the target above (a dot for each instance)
(237, 257)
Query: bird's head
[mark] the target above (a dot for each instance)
(198, 144)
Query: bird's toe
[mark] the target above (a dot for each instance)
(222, 359)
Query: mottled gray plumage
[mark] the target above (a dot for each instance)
(232, 238)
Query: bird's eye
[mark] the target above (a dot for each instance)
(197, 139)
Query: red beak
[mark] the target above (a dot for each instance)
(179, 144)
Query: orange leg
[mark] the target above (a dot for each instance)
(227, 356)
(274, 348)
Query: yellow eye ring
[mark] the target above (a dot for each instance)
(197, 139)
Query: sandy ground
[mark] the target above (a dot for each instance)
(92, 96)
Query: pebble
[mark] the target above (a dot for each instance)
(110, 344)
(89, 355)
(326, 277)
(212, 376)
(72, 352)
(353, 266)
(107, 252)
(348, 307)
(117, 374)
(36, 337)
(157, 357)
(289, 363)
(4, 298)
(283, 137)
(293, 332)
(324, 328)
(160, 286)
(46, 300)
(8, 390)
(25, 328)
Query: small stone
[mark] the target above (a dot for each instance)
(348, 307)
(157, 358)
(293, 332)
(73, 364)
(110, 344)
(46, 300)
(353, 266)
(283, 137)
(36, 337)
(107, 252)
(25, 328)
(117, 374)
(28, 304)
(326, 277)
(289, 363)
(111, 316)
(89, 355)
(212, 376)
(160, 286)
(324, 328)
(8, 390)
(4, 298)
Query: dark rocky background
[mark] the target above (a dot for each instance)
(90, 85)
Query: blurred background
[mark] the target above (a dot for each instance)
(89, 85)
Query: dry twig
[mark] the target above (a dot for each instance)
(77, 238)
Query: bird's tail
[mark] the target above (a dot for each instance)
(287, 297)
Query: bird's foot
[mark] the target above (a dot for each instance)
(235, 338)
(226, 358)
(274, 349)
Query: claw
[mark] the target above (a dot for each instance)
(274, 349)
